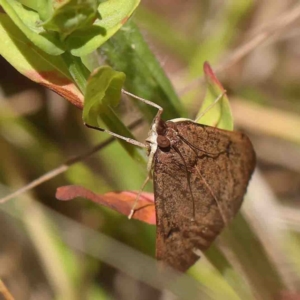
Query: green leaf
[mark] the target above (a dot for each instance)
(70, 15)
(103, 91)
(43, 7)
(29, 23)
(219, 115)
(77, 70)
(113, 15)
(145, 76)
(35, 64)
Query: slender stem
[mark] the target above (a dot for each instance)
(5, 292)
(64, 167)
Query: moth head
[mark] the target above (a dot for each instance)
(163, 142)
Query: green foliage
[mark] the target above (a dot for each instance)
(27, 59)
(128, 52)
(69, 25)
(69, 15)
(113, 15)
(29, 22)
(252, 259)
(103, 90)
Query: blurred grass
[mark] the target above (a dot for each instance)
(256, 258)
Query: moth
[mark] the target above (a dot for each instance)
(200, 176)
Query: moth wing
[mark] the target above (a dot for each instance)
(194, 204)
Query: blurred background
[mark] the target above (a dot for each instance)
(78, 250)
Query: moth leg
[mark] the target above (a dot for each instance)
(137, 198)
(152, 136)
(129, 140)
(151, 141)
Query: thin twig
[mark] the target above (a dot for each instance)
(276, 26)
(64, 167)
(5, 292)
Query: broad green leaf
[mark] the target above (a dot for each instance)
(35, 64)
(113, 15)
(219, 115)
(29, 23)
(103, 91)
(70, 15)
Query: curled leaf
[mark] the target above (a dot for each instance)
(102, 93)
(103, 89)
(67, 16)
(220, 114)
(121, 202)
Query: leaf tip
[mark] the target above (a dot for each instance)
(210, 75)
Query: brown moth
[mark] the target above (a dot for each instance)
(200, 177)
(200, 174)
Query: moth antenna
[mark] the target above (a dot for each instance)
(210, 106)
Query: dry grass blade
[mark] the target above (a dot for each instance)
(268, 121)
(263, 217)
(118, 255)
(290, 217)
(275, 27)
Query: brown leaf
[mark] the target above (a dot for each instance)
(286, 295)
(59, 84)
(121, 202)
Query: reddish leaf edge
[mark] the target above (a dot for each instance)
(121, 202)
(211, 76)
